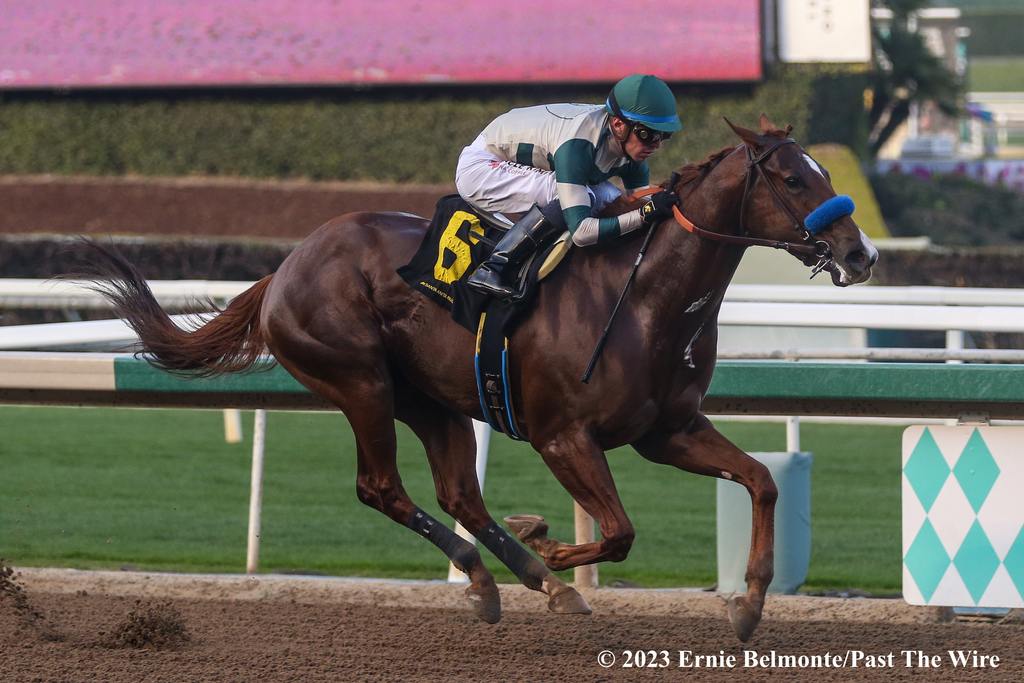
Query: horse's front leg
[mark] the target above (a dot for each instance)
(580, 466)
(702, 449)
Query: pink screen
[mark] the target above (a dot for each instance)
(123, 43)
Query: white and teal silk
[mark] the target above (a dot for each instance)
(575, 142)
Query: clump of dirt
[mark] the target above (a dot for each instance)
(12, 592)
(157, 626)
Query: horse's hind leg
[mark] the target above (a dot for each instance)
(704, 450)
(366, 396)
(451, 450)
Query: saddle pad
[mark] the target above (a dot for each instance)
(458, 240)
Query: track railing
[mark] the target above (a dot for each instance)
(891, 390)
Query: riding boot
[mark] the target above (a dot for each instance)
(496, 276)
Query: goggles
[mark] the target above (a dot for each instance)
(648, 136)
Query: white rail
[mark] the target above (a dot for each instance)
(855, 316)
(25, 293)
(894, 308)
(98, 333)
(922, 296)
(876, 316)
(916, 355)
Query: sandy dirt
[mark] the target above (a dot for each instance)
(275, 628)
(196, 206)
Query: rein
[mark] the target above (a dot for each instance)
(810, 247)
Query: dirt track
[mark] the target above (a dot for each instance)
(285, 629)
(195, 206)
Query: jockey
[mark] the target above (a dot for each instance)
(554, 163)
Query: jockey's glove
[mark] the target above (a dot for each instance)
(659, 206)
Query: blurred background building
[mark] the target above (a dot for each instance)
(978, 43)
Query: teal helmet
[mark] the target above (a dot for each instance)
(645, 100)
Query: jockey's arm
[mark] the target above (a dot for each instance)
(590, 230)
(572, 164)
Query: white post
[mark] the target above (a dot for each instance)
(259, 433)
(482, 430)
(584, 576)
(793, 434)
(954, 342)
(233, 425)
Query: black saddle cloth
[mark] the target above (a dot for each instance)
(458, 240)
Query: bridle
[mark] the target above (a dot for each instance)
(809, 247)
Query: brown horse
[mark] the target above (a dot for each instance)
(338, 317)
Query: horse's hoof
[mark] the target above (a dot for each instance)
(568, 601)
(744, 617)
(486, 602)
(527, 527)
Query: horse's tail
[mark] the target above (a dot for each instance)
(231, 341)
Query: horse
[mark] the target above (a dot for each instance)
(339, 319)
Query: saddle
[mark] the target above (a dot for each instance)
(459, 238)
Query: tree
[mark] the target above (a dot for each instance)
(905, 71)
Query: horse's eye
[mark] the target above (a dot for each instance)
(792, 181)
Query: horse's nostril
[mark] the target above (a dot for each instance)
(861, 259)
(857, 259)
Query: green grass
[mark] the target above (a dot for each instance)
(996, 74)
(160, 490)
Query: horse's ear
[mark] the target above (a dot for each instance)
(751, 138)
(766, 125)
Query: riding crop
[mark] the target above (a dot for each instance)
(622, 295)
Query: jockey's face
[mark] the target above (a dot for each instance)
(632, 144)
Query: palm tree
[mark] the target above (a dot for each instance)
(905, 71)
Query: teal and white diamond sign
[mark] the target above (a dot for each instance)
(963, 519)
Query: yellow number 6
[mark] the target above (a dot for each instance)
(450, 242)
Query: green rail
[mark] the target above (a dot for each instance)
(739, 387)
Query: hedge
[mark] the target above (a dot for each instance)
(950, 209)
(994, 33)
(48, 256)
(392, 134)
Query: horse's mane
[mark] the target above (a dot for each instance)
(689, 173)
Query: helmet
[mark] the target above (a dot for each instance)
(645, 100)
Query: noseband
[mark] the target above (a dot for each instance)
(807, 247)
